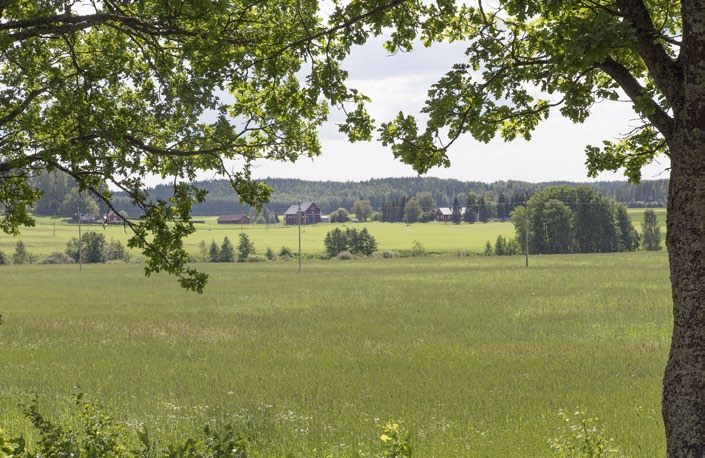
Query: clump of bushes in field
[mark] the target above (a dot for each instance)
(226, 252)
(651, 231)
(503, 247)
(57, 258)
(344, 256)
(350, 240)
(223, 253)
(256, 258)
(283, 255)
(244, 252)
(95, 249)
(418, 249)
(245, 248)
(388, 254)
(21, 255)
(4, 260)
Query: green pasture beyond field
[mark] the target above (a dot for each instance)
(475, 356)
(51, 235)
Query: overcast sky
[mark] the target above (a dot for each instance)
(400, 82)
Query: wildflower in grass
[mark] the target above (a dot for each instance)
(583, 436)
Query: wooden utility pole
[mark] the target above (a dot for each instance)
(526, 232)
(298, 216)
(80, 257)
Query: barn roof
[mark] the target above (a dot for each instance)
(447, 211)
(233, 218)
(295, 208)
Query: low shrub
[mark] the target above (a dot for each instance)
(98, 435)
(57, 258)
(4, 259)
(418, 249)
(388, 254)
(395, 441)
(344, 256)
(21, 255)
(583, 436)
(269, 254)
(256, 258)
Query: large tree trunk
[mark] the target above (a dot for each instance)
(684, 381)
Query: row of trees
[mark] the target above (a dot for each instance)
(61, 196)
(555, 216)
(469, 208)
(331, 195)
(94, 248)
(225, 252)
(562, 219)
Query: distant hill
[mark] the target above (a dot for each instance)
(331, 195)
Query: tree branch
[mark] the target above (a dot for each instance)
(63, 23)
(18, 163)
(328, 32)
(22, 106)
(666, 72)
(639, 95)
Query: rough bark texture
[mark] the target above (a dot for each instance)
(684, 381)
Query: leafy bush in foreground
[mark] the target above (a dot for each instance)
(583, 436)
(96, 434)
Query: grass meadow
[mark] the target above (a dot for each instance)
(475, 356)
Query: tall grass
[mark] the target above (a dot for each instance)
(475, 355)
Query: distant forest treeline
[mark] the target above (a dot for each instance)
(331, 195)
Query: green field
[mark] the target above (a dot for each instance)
(474, 355)
(445, 238)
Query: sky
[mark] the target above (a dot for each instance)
(400, 82)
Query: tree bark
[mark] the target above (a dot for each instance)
(684, 381)
(683, 403)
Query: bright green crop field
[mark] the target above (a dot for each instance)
(475, 356)
(51, 235)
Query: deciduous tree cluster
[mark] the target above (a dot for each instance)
(95, 249)
(562, 219)
(350, 240)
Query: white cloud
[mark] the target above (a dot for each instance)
(400, 82)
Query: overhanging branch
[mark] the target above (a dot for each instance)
(639, 95)
(666, 72)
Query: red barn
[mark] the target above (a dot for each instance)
(310, 214)
(234, 219)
